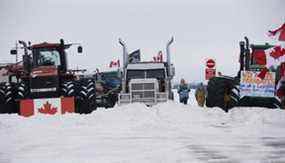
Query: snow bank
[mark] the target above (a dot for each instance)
(168, 132)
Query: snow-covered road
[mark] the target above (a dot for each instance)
(169, 132)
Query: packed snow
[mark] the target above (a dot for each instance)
(168, 132)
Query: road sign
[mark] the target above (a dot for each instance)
(209, 73)
(210, 63)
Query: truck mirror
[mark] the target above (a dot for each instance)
(79, 49)
(13, 52)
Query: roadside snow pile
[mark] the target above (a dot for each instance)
(169, 132)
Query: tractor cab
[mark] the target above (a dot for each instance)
(49, 55)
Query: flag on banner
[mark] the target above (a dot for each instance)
(279, 33)
(135, 56)
(262, 73)
(114, 64)
(50, 106)
(159, 57)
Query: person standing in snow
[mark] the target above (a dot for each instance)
(200, 95)
(183, 91)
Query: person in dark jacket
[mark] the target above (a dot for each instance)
(183, 91)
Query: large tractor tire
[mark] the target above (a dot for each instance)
(7, 98)
(22, 91)
(88, 94)
(2, 98)
(84, 93)
(222, 92)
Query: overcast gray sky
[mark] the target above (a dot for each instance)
(202, 29)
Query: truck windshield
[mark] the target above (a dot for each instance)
(48, 57)
(142, 74)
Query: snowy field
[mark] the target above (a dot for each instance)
(169, 132)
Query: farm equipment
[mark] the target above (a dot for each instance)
(42, 83)
(247, 88)
(146, 82)
(108, 86)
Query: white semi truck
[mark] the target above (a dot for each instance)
(146, 82)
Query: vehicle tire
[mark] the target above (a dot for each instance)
(222, 92)
(2, 98)
(88, 95)
(22, 91)
(84, 93)
(7, 99)
(91, 94)
(72, 89)
(68, 89)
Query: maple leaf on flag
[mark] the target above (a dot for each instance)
(277, 52)
(48, 109)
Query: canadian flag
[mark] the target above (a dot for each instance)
(114, 63)
(159, 57)
(50, 106)
(279, 33)
(274, 57)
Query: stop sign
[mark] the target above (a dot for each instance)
(210, 63)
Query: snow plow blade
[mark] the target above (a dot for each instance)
(49, 106)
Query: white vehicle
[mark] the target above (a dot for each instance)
(146, 82)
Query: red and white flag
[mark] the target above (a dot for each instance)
(49, 106)
(278, 33)
(274, 57)
(114, 63)
(159, 57)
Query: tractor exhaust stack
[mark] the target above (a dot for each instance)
(125, 62)
(168, 54)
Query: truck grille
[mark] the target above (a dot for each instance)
(142, 91)
(143, 94)
(142, 86)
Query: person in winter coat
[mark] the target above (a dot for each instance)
(183, 91)
(200, 95)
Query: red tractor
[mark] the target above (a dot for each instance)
(42, 77)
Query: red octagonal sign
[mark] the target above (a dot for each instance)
(210, 63)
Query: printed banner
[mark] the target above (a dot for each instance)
(252, 85)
